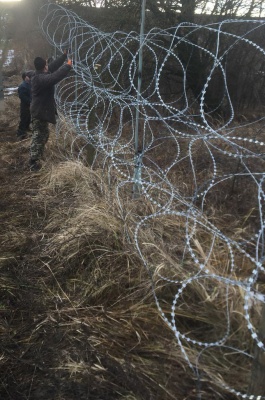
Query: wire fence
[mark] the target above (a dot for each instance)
(187, 160)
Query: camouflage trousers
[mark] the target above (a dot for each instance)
(40, 137)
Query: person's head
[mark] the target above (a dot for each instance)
(26, 76)
(40, 64)
(29, 74)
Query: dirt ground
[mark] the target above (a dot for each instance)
(22, 220)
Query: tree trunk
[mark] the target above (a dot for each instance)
(188, 10)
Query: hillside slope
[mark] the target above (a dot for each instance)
(78, 319)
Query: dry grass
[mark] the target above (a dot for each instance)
(79, 316)
(10, 116)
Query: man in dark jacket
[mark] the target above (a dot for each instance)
(42, 105)
(25, 98)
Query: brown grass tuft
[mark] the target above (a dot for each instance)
(80, 319)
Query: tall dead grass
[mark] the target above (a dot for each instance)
(80, 318)
(94, 264)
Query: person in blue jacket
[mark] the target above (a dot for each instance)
(24, 93)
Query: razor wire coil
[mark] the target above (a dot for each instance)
(105, 92)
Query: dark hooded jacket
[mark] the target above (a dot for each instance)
(24, 93)
(42, 105)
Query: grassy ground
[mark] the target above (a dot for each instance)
(78, 318)
(74, 326)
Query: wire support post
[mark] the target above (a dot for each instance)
(138, 153)
(137, 186)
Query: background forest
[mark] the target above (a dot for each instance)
(245, 70)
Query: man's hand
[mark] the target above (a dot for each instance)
(69, 62)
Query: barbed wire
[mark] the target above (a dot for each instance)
(179, 142)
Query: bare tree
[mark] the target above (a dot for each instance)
(232, 8)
